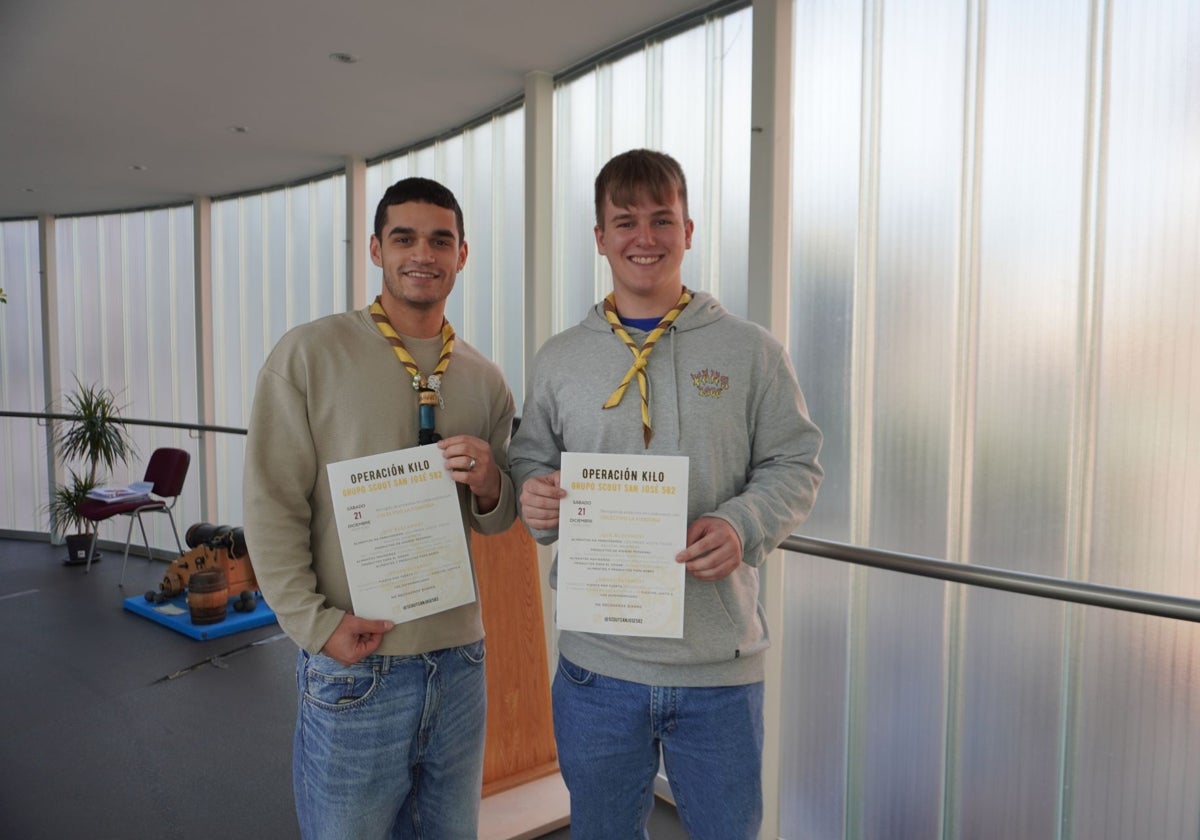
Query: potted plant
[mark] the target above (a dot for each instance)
(94, 435)
(63, 511)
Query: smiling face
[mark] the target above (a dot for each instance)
(420, 254)
(644, 244)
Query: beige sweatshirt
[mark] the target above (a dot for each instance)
(330, 391)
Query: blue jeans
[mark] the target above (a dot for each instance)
(609, 733)
(390, 747)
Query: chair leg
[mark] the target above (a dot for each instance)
(146, 540)
(128, 539)
(92, 547)
(175, 531)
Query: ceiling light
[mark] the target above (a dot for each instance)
(343, 58)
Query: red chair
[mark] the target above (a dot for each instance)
(167, 470)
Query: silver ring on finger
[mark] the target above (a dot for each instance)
(471, 465)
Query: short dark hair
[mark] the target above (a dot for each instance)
(638, 171)
(423, 190)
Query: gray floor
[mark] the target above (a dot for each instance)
(115, 727)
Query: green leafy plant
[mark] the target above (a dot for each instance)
(3, 297)
(94, 436)
(95, 433)
(63, 509)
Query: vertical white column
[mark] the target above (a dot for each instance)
(767, 304)
(539, 255)
(771, 166)
(357, 233)
(51, 376)
(205, 355)
(539, 205)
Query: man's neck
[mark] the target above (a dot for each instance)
(653, 305)
(415, 322)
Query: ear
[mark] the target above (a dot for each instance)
(599, 233)
(375, 255)
(688, 227)
(462, 256)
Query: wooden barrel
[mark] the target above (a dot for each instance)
(208, 596)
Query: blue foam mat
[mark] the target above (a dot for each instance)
(174, 614)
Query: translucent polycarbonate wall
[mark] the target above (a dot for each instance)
(484, 166)
(1137, 754)
(1028, 380)
(22, 443)
(126, 322)
(687, 96)
(278, 260)
(995, 299)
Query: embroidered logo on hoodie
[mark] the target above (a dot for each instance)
(710, 383)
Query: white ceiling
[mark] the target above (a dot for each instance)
(91, 89)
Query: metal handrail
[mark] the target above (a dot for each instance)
(166, 424)
(1007, 580)
(1024, 583)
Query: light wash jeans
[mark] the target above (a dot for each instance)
(390, 747)
(609, 733)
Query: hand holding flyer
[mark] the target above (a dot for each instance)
(620, 526)
(401, 532)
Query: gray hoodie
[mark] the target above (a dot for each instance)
(722, 393)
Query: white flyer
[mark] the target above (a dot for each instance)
(401, 532)
(622, 522)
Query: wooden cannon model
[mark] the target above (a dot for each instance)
(216, 568)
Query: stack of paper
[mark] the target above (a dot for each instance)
(117, 494)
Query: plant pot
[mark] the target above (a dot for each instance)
(77, 549)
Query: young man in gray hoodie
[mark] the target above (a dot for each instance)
(720, 391)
